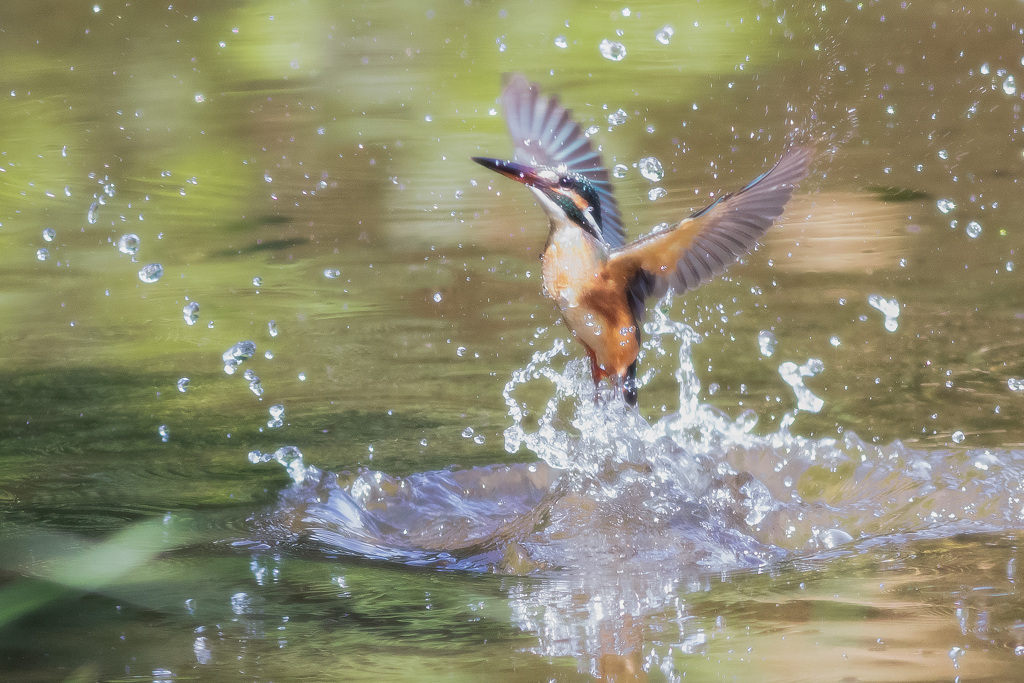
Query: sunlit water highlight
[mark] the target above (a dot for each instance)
(621, 516)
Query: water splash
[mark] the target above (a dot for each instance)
(612, 50)
(651, 169)
(276, 414)
(190, 312)
(290, 457)
(890, 308)
(620, 517)
(696, 487)
(237, 354)
(794, 375)
(129, 244)
(151, 272)
(766, 342)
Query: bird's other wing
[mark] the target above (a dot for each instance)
(544, 134)
(705, 244)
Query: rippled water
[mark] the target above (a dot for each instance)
(623, 518)
(280, 397)
(759, 497)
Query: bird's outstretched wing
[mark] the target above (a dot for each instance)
(705, 244)
(544, 134)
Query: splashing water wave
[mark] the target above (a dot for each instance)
(695, 489)
(621, 518)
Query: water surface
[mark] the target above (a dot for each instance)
(814, 487)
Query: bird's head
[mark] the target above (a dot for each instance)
(566, 196)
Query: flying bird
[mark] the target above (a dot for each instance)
(599, 283)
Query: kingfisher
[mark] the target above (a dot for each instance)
(599, 283)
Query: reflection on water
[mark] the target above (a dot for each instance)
(296, 175)
(623, 518)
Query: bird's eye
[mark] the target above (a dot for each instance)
(565, 181)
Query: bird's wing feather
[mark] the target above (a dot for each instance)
(705, 244)
(544, 134)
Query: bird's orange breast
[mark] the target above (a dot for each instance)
(593, 305)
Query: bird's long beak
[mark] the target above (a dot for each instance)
(527, 175)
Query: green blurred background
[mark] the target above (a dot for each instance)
(306, 163)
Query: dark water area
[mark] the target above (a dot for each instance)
(281, 399)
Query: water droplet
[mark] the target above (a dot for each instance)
(165, 433)
(467, 432)
(664, 36)
(183, 384)
(613, 51)
(257, 281)
(984, 69)
(958, 436)
(794, 375)
(479, 438)
(1009, 86)
(617, 117)
(255, 386)
(267, 177)
(656, 193)
(945, 205)
(191, 312)
(561, 42)
(272, 328)
(651, 169)
(49, 234)
(834, 340)
(332, 273)
(1015, 384)
(268, 354)
(943, 154)
(619, 171)
(302, 377)
(437, 297)
(92, 216)
(151, 272)
(766, 341)
(973, 229)
(1009, 266)
(276, 416)
(129, 244)
(461, 351)
(238, 354)
(890, 308)
(43, 254)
